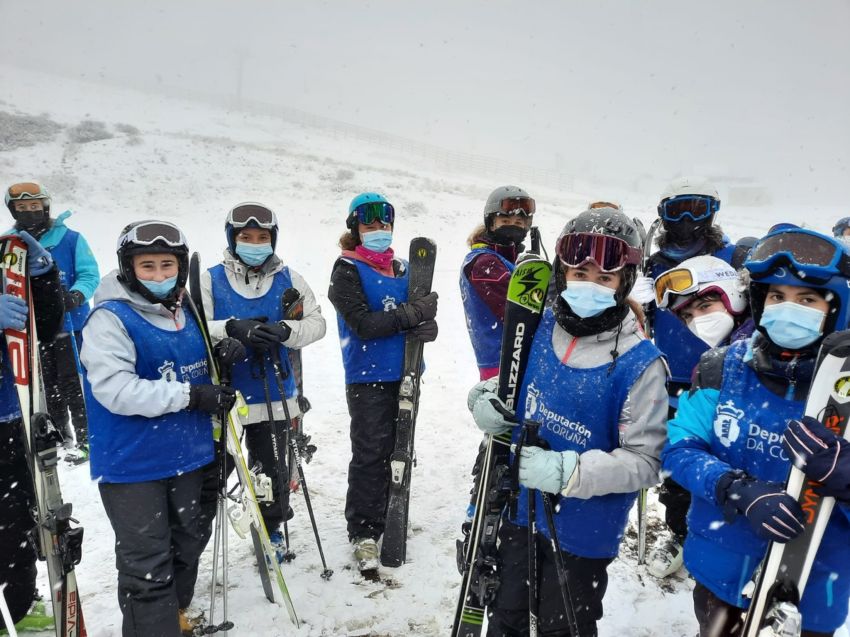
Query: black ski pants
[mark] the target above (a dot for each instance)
(17, 555)
(374, 414)
(718, 619)
(587, 577)
(63, 387)
(159, 537)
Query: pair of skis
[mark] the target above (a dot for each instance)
(423, 254)
(248, 507)
(527, 291)
(56, 541)
(781, 582)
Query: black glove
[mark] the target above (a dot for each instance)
(257, 334)
(413, 313)
(211, 398)
(426, 331)
(229, 351)
(772, 513)
(72, 299)
(821, 455)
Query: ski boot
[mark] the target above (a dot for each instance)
(191, 622)
(77, 455)
(665, 559)
(366, 553)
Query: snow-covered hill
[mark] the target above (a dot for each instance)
(115, 156)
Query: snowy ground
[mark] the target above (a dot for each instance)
(155, 157)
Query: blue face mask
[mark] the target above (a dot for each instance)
(160, 289)
(377, 240)
(792, 325)
(588, 299)
(254, 253)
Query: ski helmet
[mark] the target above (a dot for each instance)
(697, 277)
(840, 227)
(607, 237)
(249, 215)
(151, 237)
(804, 258)
(27, 190)
(368, 207)
(693, 198)
(507, 200)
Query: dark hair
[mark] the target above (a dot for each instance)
(348, 241)
(713, 236)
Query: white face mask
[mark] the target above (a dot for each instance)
(712, 328)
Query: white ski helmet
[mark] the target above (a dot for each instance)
(699, 276)
(690, 186)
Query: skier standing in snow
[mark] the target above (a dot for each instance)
(602, 448)
(368, 289)
(17, 498)
(150, 402)
(29, 204)
(735, 430)
(687, 210)
(707, 295)
(242, 299)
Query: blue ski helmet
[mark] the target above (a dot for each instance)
(383, 207)
(249, 215)
(805, 258)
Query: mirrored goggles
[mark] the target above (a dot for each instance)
(522, 206)
(608, 253)
(245, 213)
(149, 232)
(810, 253)
(372, 211)
(695, 207)
(25, 190)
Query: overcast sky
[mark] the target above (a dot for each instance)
(606, 90)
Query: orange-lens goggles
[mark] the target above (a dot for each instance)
(677, 281)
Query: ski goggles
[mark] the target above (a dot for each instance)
(150, 232)
(372, 211)
(684, 281)
(521, 206)
(26, 190)
(696, 207)
(246, 213)
(815, 256)
(608, 253)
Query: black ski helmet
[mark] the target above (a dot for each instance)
(151, 237)
(609, 222)
(249, 214)
(494, 204)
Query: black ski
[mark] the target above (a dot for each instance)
(423, 253)
(786, 567)
(55, 540)
(526, 296)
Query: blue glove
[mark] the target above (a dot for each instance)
(489, 412)
(547, 471)
(821, 455)
(13, 312)
(39, 260)
(773, 514)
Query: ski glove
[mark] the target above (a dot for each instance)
(212, 399)
(488, 410)
(13, 312)
(821, 455)
(413, 313)
(643, 291)
(39, 260)
(229, 351)
(72, 299)
(547, 471)
(257, 334)
(426, 331)
(773, 514)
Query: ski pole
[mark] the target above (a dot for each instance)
(7, 616)
(288, 555)
(529, 436)
(278, 374)
(560, 567)
(641, 524)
